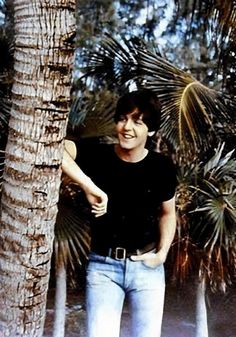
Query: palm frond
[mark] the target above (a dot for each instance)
(190, 111)
(216, 16)
(219, 267)
(92, 114)
(223, 12)
(223, 165)
(213, 217)
(183, 258)
(216, 195)
(72, 238)
(112, 63)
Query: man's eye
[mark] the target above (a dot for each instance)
(138, 121)
(122, 118)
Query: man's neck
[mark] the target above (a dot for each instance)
(132, 156)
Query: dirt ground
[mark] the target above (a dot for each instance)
(178, 320)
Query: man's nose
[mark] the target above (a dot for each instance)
(128, 124)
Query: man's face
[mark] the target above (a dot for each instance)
(132, 132)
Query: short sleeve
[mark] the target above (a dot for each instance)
(87, 151)
(170, 179)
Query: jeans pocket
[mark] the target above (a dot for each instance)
(93, 257)
(151, 264)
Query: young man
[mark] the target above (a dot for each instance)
(131, 193)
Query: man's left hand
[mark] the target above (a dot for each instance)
(151, 259)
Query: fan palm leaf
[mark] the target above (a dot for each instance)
(215, 217)
(92, 114)
(112, 62)
(217, 16)
(183, 258)
(206, 220)
(72, 238)
(183, 253)
(190, 110)
(222, 12)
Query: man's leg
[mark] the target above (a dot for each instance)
(104, 298)
(147, 300)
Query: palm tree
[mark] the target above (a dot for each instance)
(215, 229)
(40, 103)
(208, 220)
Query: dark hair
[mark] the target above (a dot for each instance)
(147, 104)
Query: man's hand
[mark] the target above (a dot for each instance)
(150, 259)
(97, 199)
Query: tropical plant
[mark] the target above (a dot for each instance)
(91, 114)
(192, 112)
(206, 209)
(71, 246)
(218, 19)
(214, 221)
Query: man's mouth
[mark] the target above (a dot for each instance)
(127, 136)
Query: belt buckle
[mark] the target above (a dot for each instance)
(120, 253)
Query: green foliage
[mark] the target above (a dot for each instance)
(206, 209)
(208, 27)
(191, 111)
(72, 238)
(96, 119)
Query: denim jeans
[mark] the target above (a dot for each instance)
(109, 281)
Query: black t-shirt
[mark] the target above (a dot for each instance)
(135, 192)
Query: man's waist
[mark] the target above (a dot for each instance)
(121, 253)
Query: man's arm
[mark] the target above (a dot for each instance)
(167, 226)
(96, 197)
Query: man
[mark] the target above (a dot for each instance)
(131, 193)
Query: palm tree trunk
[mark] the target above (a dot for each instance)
(60, 302)
(40, 104)
(201, 310)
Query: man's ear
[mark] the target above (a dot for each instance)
(151, 133)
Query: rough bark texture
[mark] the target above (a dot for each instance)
(40, 104)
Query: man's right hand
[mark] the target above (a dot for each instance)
(97, 199)
(95, 196)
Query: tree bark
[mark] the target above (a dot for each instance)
(40, 104)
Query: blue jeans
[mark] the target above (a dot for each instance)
(109, 281)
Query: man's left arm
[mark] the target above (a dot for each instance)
(167, 227)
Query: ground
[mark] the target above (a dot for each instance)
(178, 321)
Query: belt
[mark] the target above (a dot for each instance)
(120, 253)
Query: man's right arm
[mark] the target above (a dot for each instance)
(96, 197)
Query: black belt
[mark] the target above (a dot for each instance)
(120, 253)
